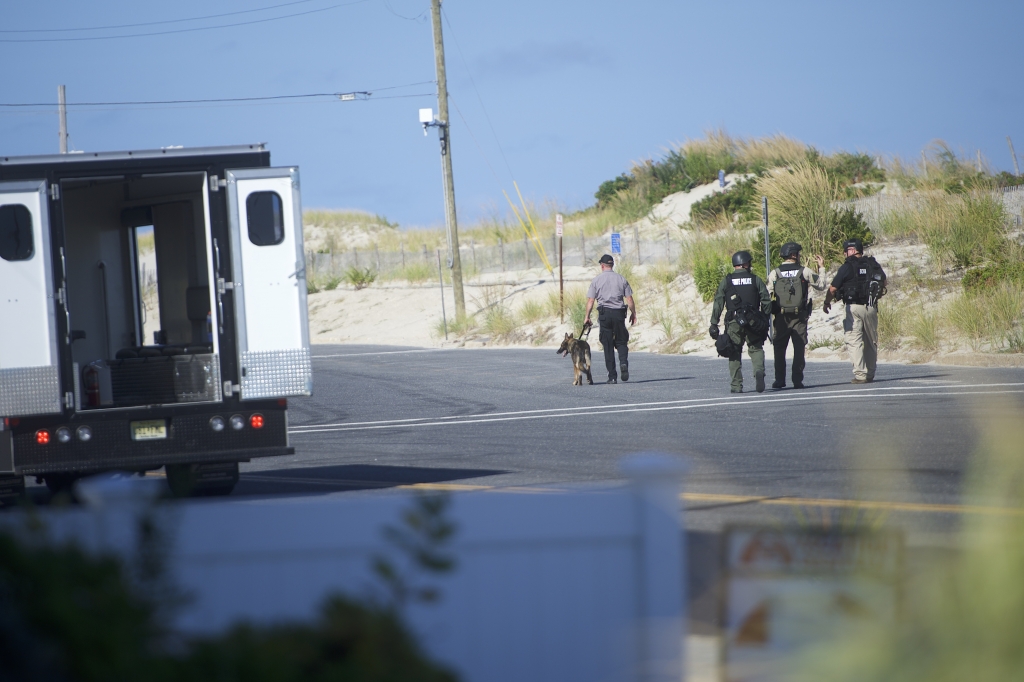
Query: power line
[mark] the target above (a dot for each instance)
(220, 105)
(402, 16)
(479, 99)
(181, 30)
(366, 93)
(152, 23)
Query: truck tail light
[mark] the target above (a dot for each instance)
(63, 434)
(84, 433)
(237, 422)
(256, 421)
(217, 423)
(42, 436)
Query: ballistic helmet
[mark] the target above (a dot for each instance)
(742, 258)
(855, 243)
(608, 260)
(790, 249)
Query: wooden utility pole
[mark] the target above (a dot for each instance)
(62, 110)
(446, 160)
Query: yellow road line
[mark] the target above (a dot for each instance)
(918, 507)
(852, 504)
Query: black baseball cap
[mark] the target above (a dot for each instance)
(607, 259)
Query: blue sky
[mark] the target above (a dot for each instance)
(574, 91)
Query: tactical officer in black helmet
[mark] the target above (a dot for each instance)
(859, 283)
(790, 284)
(747, 303)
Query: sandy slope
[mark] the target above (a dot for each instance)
(397, 313)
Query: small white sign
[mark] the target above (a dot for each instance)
(558, 224)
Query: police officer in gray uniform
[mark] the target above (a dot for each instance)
(791, 283)
(612, 293)
(742, 291)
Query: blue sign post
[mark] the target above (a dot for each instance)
(721, 178)
(616, 242)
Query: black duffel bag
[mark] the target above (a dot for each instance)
(726, 347)
(754, 321)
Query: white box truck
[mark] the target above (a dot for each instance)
(152, 314)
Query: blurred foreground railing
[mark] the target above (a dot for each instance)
(547, 585)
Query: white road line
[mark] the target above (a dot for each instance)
(620, 410)
(385, 352)
(299, 428)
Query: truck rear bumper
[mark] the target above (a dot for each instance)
(189, 439)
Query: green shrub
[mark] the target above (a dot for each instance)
(499, 322)
(360, 278)
(924, 330)
(891, 319)
(416, 272)
(531, 311)
(331, 283)
(802, 208)
(708, 271)
(609, 188)
(734, 203)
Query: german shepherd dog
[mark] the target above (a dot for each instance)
(580, 352)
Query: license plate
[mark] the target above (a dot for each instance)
(154, 429)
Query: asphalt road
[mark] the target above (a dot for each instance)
(896, 450)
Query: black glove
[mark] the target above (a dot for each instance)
(713, 331)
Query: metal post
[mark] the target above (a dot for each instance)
(376, 253)
(583, 248)
(636, 239)
(440, 280)
(561, 284)
(424, 253)
(401, 246)
(446, 160)
(63, 111)
(1016, 168)
(767, 255)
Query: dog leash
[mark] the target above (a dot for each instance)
(585, 331)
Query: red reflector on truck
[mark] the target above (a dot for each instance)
(256, 421)
(42, 436)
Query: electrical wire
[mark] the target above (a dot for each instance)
(402, 16)
(152, 23)
(53, 107)
(487, 116)
(181, 30)
(220, 99)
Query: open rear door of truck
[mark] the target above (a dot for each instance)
(269, 271)
(29, 374)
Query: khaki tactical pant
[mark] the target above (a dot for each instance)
(790, 326)
(861, 332)
(755, 350)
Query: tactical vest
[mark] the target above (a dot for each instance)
(790, 288)
(858, 289)
(740, 291)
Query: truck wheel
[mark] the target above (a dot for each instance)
(202, 480)
(60, 483)
(12, 489)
